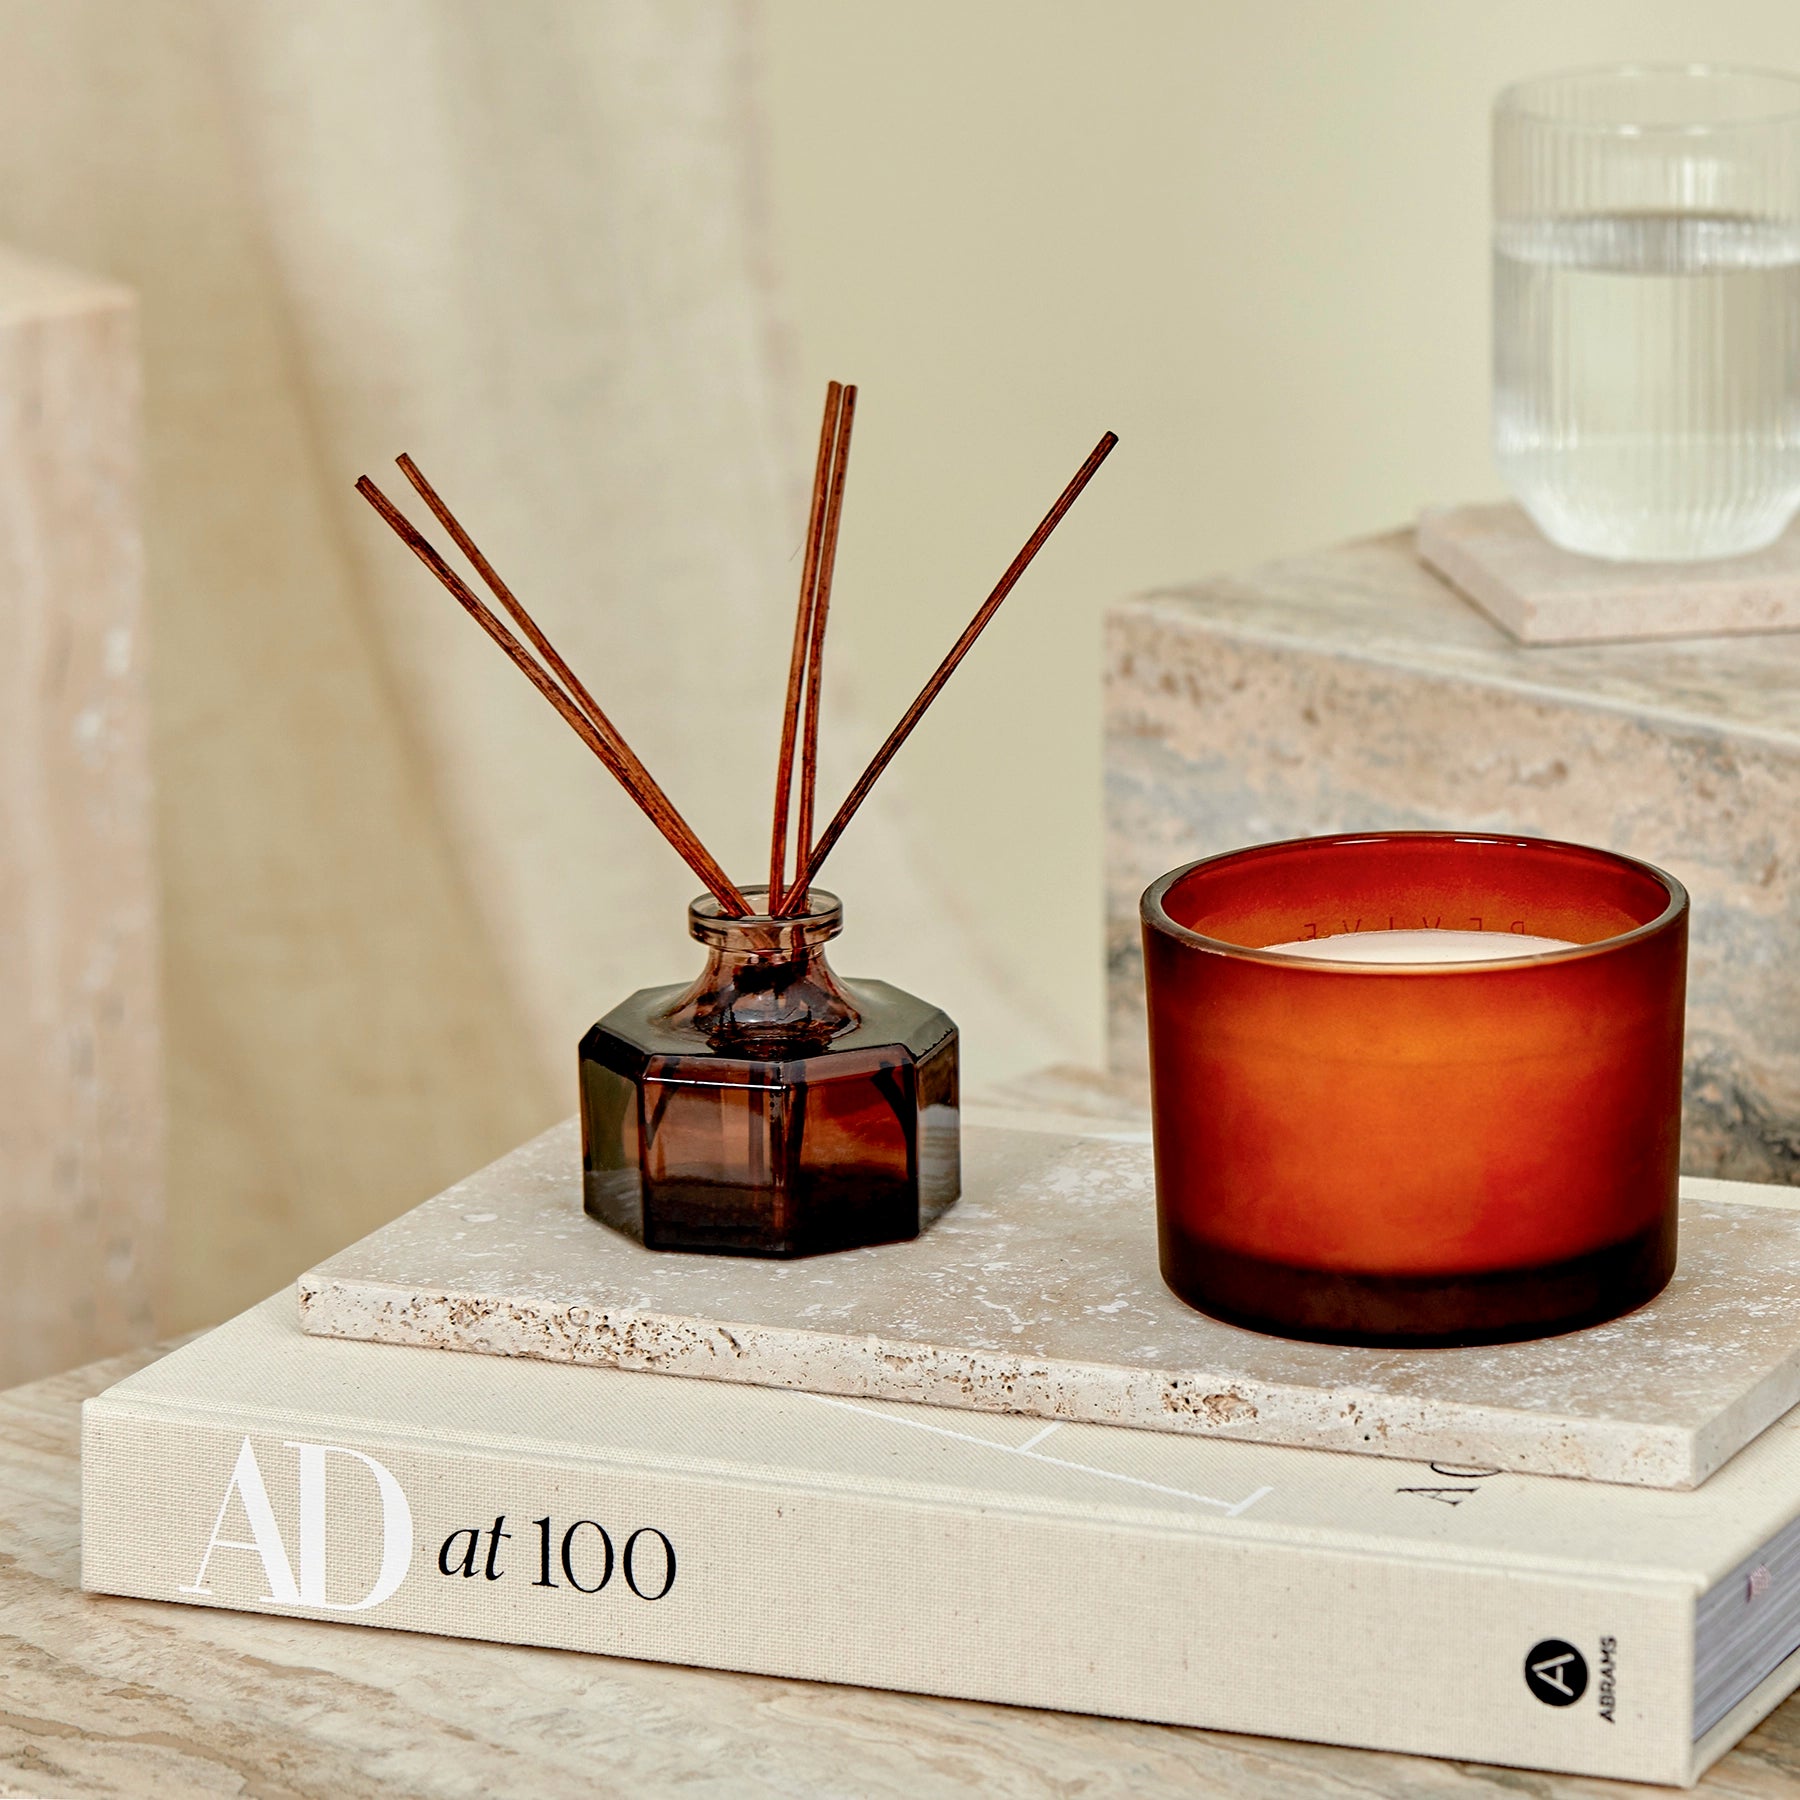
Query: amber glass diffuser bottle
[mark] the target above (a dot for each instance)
(1424, 1151)
(770, 1109)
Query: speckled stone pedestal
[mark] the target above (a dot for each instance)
(1354, 689)
(1039, 1294)
(1546, 595)
(81, 1073)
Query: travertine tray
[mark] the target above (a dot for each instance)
(1039, 1294)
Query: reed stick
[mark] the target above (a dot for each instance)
(821, 608)
(790, 717)
(607, 745)
(984, 613)
(636, 778)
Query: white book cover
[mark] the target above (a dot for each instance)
(1503, 1618)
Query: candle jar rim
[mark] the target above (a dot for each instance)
(1153, 912)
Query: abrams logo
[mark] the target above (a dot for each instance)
(1609, 1666)
(1557, 1673)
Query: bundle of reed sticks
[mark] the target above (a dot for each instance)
(798, 757)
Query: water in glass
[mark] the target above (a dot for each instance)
(1647, 379)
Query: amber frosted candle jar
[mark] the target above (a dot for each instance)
(1423, 1151)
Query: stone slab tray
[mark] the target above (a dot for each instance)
(1543, 594)
(1038, 1293)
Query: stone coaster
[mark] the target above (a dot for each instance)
(1544, 595)
(1038, 1293)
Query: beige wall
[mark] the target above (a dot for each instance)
(1248, 238)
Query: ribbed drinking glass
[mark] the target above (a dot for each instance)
(1647, 308)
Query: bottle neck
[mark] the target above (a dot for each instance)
(767, 983)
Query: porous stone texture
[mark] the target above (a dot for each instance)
(1543, 594)
(1355, 690)
(80, 1066)
(1038, 1293)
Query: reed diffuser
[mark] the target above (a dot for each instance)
(770, 1108)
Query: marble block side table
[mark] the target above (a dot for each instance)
(1356, 689)
(80, 1065)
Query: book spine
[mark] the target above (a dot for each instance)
(1252, 1629)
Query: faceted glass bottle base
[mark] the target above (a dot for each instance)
(779, 1148)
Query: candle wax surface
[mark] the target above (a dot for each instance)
(1419, 946)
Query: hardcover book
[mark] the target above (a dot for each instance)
(1440, 1609)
